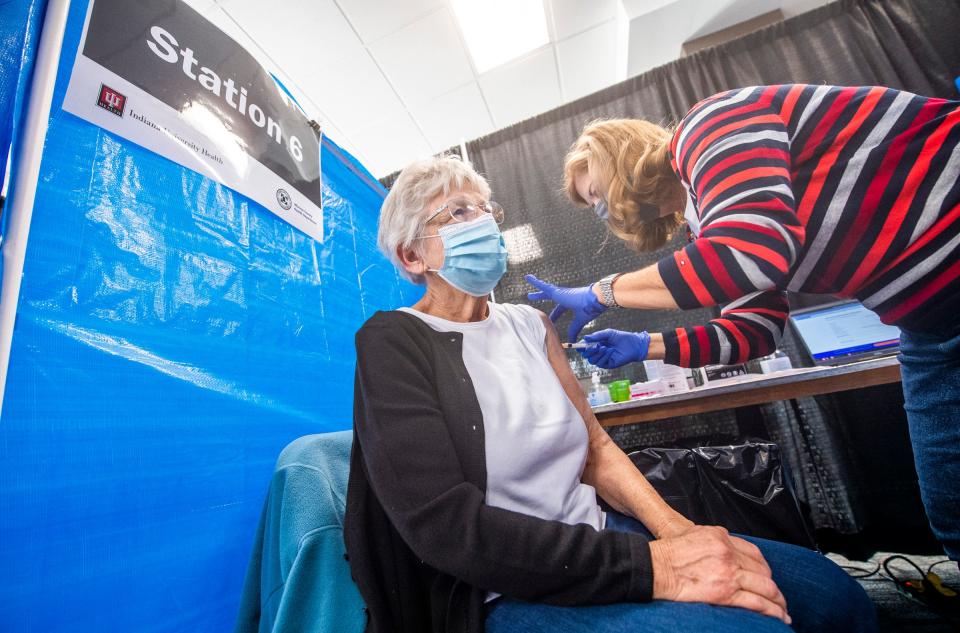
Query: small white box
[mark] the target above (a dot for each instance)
(771, 365)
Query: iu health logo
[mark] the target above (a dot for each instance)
(111, 100)
(284, 199)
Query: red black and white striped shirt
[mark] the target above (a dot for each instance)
(850, 191)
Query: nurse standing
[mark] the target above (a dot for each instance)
(849, 191)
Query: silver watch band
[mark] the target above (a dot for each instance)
(606, 291)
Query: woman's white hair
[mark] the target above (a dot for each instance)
(404, 212)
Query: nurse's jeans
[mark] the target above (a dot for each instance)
(930, 366)
(821, 598)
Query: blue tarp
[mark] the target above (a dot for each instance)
(172, 337)
(20, 22)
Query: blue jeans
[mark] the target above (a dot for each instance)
(820, 598)
(930, 366)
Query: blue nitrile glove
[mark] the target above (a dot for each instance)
(613, 348)
(581, 301)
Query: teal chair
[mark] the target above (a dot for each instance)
(299, 579)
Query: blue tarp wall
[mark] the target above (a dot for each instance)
(172, 336)
(20, 22)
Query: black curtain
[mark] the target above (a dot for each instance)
(848, 478)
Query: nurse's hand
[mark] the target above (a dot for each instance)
(581, 301)
(708, 564)
(613, 348)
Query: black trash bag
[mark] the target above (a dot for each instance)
(745, 488)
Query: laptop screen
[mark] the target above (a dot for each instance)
(840, 332)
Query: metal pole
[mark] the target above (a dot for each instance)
(20, 207)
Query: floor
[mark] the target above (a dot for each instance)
(897, 612)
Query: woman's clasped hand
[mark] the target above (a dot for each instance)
(708, 564)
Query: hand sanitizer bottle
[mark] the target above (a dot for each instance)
(598, 395)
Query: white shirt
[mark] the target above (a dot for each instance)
(535, 439)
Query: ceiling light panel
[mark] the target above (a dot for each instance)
(497, 31)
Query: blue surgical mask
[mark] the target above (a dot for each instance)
(474, 255)
(645, 211)
(601, 210)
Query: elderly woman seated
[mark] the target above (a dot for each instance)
(477, 465)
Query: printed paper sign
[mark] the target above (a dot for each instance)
(158, 73)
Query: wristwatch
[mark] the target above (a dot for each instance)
(606, 291)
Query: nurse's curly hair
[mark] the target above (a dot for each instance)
(629, 161)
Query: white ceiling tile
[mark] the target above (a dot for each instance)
(574, 16)
(222, 21)
(715, 16)
(795, 7)
(523, 88)
(200, 6)
(353, 94)
(459, 114)
(657, 36)
(314, 75)
(348, 145)
(390, 144)
(636, 8)
(301, 35)
(425, 59)
(215, 14)
(332, 131)
(374, 19)
(588, 62)
(392, 80)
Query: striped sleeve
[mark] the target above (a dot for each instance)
(733, 154)
(747, 328)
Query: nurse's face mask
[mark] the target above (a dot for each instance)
(474, 253)
(601, 209)
(645, 211)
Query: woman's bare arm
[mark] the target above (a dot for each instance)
(608, 468)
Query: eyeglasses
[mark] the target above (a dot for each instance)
(462, 210)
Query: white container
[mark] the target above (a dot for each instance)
(778, 363)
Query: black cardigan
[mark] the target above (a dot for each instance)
(424, 548)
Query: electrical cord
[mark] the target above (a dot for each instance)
(928, 590)
(940, 562)
(889, 559)
(861, 573)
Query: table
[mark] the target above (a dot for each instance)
(751, 389)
